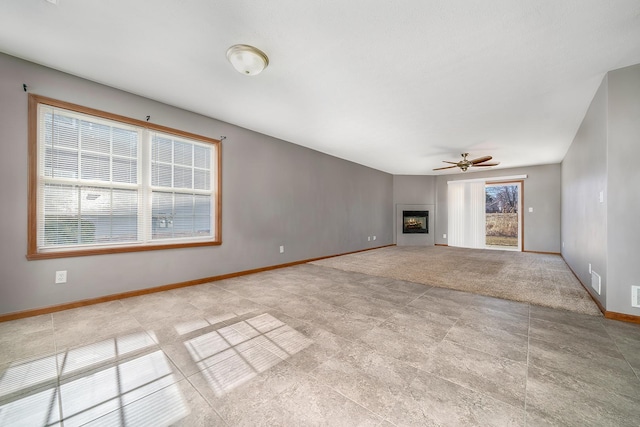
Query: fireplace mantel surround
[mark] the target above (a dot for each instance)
(415, 239)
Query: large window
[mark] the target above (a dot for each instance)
(101, 183)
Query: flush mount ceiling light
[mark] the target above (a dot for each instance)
(247, 59)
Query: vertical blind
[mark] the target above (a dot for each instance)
(466, 214)
(103, 182)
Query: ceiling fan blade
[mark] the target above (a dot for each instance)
(481, 159)
(446, 167)
(487, 164)
(453, 163)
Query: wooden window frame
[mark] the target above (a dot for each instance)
(32, 224)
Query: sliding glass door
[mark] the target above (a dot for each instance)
(502, 215)
(485, 214)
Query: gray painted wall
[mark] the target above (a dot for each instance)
(584, 176)
(603, 158)
(274, 193)
(623, 195)
(541, 192)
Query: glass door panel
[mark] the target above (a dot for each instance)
(502, 210)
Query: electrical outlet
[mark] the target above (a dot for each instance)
(530, 209)
(282, 249)
(444, 236)
(61, 276)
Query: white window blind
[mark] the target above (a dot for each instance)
(181, 188)
(103, 183)
(466, 214)
(89, 180)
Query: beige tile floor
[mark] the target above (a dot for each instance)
(310, 345)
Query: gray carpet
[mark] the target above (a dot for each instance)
(538, 279)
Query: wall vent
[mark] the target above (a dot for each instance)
(596, 282)
(635, 296)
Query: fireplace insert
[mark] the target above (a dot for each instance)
(415, 222)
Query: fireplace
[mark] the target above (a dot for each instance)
(415, 222)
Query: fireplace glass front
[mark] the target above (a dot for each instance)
(415, 222)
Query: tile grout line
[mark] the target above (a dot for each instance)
(526, 377)
(457, 383)
(416, 298)
(308, 375)
(449, 330)
(620, 351)
(58, 372)
(458, 321)
(177, 366)
(383, 418)
(188, 379)
(466, 386)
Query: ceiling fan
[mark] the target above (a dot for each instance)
(465, 164)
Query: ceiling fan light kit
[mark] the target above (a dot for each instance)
(247, 60)
(465, 164)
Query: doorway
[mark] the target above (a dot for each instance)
(503, 213)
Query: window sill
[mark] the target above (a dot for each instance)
(104, 251)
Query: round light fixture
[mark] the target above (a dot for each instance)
(247, 59)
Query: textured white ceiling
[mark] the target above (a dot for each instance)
(395, 85)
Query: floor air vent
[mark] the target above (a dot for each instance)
(635, 296)
(596, 282)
